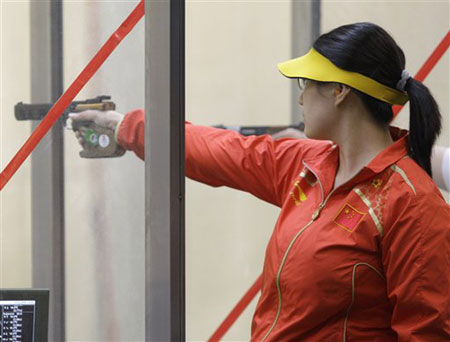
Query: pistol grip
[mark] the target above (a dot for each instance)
(99, 142)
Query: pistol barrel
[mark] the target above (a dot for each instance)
(31, 111)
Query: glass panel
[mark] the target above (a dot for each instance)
(232, 51)
(104, 197)
(15, 198)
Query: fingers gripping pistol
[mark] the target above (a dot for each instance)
(98, 142)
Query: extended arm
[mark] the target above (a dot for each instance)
(256, 164)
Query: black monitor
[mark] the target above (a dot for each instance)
(24, 315)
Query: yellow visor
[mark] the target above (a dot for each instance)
(316, 67)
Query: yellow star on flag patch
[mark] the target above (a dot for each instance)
(376, 183)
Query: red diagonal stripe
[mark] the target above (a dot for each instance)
(433, 59)
(237, 311)
(65, 100)
(429, 64)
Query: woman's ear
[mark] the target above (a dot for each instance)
(340, 93)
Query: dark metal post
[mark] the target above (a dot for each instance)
(305, 30)
(48, 163)
(164, 171)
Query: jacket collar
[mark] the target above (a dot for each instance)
(325, 165)
(392, 153)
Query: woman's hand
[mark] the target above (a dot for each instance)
(108, 119)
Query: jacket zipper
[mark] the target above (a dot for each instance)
(314, 216)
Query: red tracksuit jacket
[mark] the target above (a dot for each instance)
(369, 261)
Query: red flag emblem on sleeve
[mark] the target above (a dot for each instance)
(348, 217)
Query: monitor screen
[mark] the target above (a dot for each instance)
(23, 315)
(17, 320)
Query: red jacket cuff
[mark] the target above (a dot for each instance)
(131, 135)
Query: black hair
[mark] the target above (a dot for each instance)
(368, 49)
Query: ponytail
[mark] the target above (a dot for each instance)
(424, 124)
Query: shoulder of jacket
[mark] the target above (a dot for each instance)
(411, 179)
(411, 189)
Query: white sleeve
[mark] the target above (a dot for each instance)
(446, 168)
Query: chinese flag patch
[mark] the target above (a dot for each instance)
(348, 217)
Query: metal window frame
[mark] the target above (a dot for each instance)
(306, 21)
(164, 171)
(47, 163)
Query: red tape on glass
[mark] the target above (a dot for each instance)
(429, 64)
(237, 311)
(65, 100)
